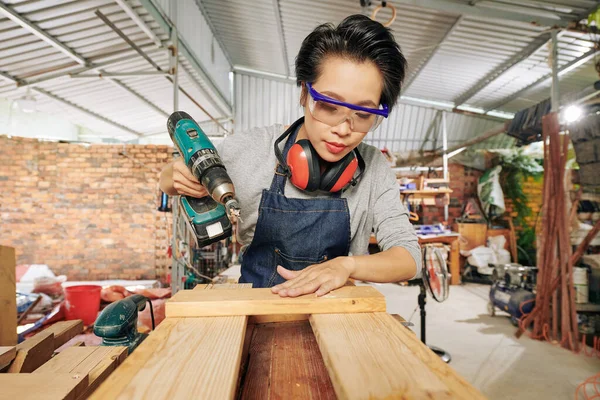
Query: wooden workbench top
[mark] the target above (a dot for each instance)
(348, 355)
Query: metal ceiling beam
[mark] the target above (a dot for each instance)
(561, 71)
(479, 10)
(105, 19)
(40, 33)
(8, 77)
(424, 64)
(106, 74)
(166, 25)
(30, 82)
(281, 37)
(214, 31)
(121, 85)
(139, 22)
(86, 111)
(538, 43)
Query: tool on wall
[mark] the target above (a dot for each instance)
(117, 323)
(208, 217)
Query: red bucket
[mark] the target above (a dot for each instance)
(83, 302)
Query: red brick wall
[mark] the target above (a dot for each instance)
(85, 211)
(463, 182)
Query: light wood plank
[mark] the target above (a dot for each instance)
(33, 352)
(65, 331)
(96, 362)
(367, 359)
(213, 303)
(7, 354)
(8, 298)
(54, 386)
(189, 358)
(285, 363)
(223, 286)
(136, 361)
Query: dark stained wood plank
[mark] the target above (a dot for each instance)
(285, 363)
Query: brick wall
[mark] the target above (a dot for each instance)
(463, 182)
(533, 189)
(85, 211)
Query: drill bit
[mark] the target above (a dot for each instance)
(233, 208)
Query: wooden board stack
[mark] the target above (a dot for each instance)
(210, 347)
(32, 369)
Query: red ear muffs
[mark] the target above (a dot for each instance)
(337, 176)
(303, 161)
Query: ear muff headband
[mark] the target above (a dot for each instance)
(303, 169)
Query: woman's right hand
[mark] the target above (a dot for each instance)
(184, 182)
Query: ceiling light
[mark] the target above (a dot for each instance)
(573, 113)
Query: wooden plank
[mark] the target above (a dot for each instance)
(366, 358)
(188, 358)
(33, 352)
(268, 319)
(115, 357)
(8, 298)
(136, 361)
(455, 263)
(459, 387)
(285, 363)
(65, 331)
(7, 354)
(224, 286)
(212, 303)
(52, 386)
(96, 362)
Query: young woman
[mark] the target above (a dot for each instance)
(312, 193)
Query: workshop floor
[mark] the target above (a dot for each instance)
(484, 349)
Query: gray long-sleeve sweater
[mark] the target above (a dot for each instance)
(374, 203)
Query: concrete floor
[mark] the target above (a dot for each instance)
(484, 349)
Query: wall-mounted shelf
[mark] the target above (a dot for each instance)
(431, 192)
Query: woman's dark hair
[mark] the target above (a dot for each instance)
(357, 38)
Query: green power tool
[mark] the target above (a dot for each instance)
(117, 323)
(208, 217)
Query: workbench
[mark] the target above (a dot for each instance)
(231, 341)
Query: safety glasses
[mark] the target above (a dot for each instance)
(334, 112)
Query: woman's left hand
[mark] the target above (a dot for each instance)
(318, 278)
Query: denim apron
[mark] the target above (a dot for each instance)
(294, 233)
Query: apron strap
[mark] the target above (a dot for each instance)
(280, 176)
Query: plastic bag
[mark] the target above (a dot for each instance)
(490, 192)
(482, 256)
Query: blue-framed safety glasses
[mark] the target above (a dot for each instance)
(334, 112)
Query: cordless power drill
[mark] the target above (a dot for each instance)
(208, 217)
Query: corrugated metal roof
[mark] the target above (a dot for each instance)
(469, 53)
(263, 102)
(27, 58)
(571, 46)
(249, 31)
(475, 60)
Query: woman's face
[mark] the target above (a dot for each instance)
(347, 81)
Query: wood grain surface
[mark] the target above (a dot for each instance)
(367, 359)
(182, 359)
(285, 363)
(214, 303)
(41, 386)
